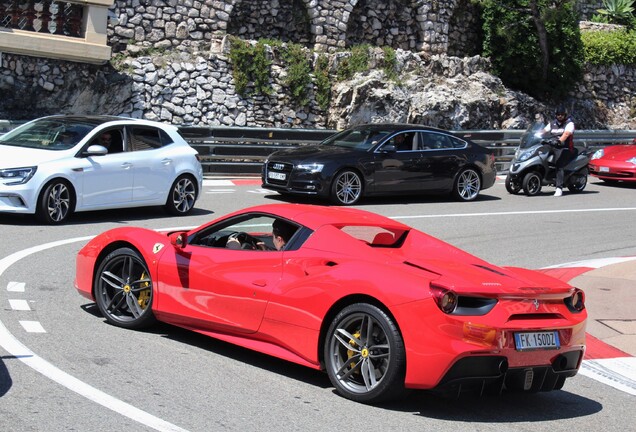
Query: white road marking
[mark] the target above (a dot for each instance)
(595, 263)
(15, 287)
(28, 357)
(32, 326)
(259, 191)
(516, 213)
(619, 373)
(14, 347)
(218, 183)
(19, 305)
(220, 191)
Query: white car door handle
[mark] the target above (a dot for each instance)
(166, 161)
(126, 165)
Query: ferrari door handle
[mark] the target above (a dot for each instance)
(260, 282)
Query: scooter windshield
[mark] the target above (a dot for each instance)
(532, 136)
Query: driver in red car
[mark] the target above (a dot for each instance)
(281, 233)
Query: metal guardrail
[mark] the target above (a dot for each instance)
(242, 151)
(227, 150)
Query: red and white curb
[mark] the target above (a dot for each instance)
(602, 362)
(232, 182)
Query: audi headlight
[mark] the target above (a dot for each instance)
(598, 154)
(16, 176)
(312, 168)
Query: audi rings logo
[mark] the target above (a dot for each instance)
(278, 166)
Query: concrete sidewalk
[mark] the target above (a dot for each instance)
(610, 293)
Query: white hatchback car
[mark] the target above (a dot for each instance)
(54, 166)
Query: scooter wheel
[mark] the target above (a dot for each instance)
(512, 186)
(577, 183)
(531, 184)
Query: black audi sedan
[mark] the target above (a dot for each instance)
(382, 159)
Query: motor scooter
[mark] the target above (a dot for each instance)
(533, 165)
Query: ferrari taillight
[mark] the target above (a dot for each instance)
(445, 299)
(576, 302)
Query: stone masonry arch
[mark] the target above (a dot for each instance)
(284, 20)
(427, 26)
(389, 23)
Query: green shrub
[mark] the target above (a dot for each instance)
(323, 81)
(358, 61)
(616, 12)
(389, 63)
(610, 47)
(250, 64)
(298, 77)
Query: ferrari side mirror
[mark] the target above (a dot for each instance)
(179, 239)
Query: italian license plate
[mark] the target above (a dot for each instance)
(537, 340)
(604, 169)
(276, 175)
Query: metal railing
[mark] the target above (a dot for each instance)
(43, 16)
(242, 151)
(227, 151)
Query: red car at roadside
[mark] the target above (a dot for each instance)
(615, 163)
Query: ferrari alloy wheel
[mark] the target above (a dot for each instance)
(531, 183)
(55, 204)
(183, 194)
(467, 185)
(577, 183)
(346, 188)
(512, 186)
(364, 354)
(123, 289)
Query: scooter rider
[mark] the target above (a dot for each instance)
(562, 127)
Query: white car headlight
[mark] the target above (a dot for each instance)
(598, 154)
(312, 168)
(16, 176)
(632, 160)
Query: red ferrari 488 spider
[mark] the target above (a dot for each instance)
(379, 305)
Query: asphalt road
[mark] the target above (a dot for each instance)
(77, 373)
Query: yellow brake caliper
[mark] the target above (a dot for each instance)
(144, 296)
(350, 352)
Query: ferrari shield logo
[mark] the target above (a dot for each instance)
(157, 247)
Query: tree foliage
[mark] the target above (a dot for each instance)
(534, 45)
(610, 47)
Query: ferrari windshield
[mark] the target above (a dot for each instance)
(50, 134)
(357, 138)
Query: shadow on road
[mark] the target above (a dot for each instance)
(383, 200)
(508, 407)
(105, 216)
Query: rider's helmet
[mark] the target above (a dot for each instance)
(561, 110)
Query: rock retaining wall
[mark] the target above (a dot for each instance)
(172, 67)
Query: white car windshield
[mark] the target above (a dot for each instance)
(49, 134)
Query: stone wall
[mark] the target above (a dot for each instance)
(172, 66)
(587, 9)
(323, 25)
